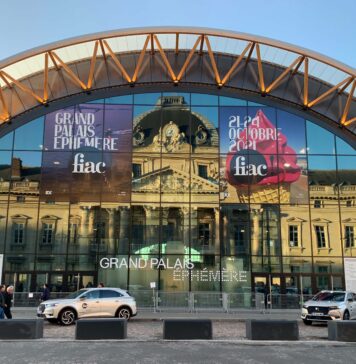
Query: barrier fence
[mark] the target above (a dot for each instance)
(189, 301)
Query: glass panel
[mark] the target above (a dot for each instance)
(328, 265)
(323, 186)
(147, 136)
(204, 179)
(6, 163)
(116, 181)
(205, 130)
(347, 181)
(174, 274)
(147, 99)
(59, 129)
(297, 265)
(143, 271)
(206, 275)
(26, 167)
(3, 217)
(264, 264)
(117, 128)
(176, 133)
(175, 178)
(230, 101)
(325, 232)
(291, 133)
(176, 97)
(84, 229)
(293, 178)
(30, 136)
(22, 226)
(53, 228)
(56, 176)
(236, 229)
(239, 272)
(315, 134)
(123, 100)
(295, 230)
(204, 228)
(204, 100)
(145, 229)
(114, 220)
(232, 122)
(82, 263)
(344, 148)
(175, 229)
(51, 263)
(18, 262)
(6, 141)
(146, 179)
(113, 271)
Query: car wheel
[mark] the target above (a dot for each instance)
(124, 313)
(346, 315)
(307, 322)
(52, 320)
(67, 317)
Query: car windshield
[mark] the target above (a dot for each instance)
(76, 294)
(329, 296)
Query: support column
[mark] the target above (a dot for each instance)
(123, 243)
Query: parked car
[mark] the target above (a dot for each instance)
(91, 302)
(329, 305)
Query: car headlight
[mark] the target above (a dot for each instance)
(51, 305)
(334, 308)
(305, 306)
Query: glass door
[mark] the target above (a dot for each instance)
(76, 281)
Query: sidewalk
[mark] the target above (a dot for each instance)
(149, 315)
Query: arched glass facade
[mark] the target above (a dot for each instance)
(194, 192)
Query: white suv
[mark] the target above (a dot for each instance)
(329, 305)
(91, 302)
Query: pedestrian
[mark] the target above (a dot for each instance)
(8, 295)
(101, 285)
(46, 293)
(2, 301)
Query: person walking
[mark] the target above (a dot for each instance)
(46, 293)
(8, 295)
(2, 301)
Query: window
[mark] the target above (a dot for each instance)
(108, 293)
(204, 234)
(203, 171)
(349, 203)
(73, 233)
(320, 236)
(293, 236)
(47, 233)
(240, 236)
(349, 237)
(100, 230)
(92, 294)
(136, 170)
(18, 233)
(20, 199)
(317, 204)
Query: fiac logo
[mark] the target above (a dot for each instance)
(82, 166)
(245, 168)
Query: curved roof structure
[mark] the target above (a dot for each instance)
(232, 63)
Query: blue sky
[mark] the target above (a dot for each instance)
(326, 26)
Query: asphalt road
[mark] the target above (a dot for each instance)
(172, 352)
(145, 344)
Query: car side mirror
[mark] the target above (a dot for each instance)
(350, 300)
(83, 298)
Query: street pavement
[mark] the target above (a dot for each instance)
(145, 344)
